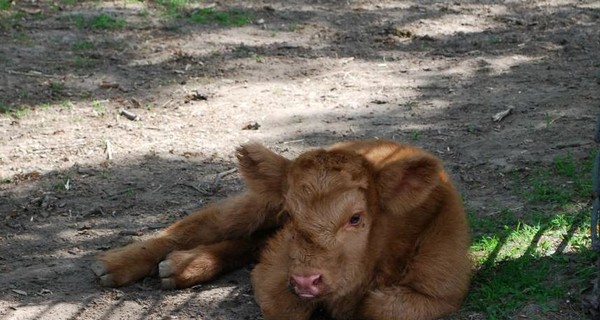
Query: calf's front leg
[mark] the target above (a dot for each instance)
(182, 269)
(233, 218)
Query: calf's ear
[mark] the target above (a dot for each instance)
(263, 170)
(407, 181)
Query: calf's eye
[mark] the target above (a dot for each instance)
(355, 219)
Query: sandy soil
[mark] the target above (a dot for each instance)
(302, 74)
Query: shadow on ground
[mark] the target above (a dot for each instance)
(312, 73)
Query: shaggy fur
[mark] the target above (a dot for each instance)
(363, 229)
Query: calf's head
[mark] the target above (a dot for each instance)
(331, 207)
(337, 204)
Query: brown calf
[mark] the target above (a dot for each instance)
(363, 229)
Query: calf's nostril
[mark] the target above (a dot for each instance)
(306, 282)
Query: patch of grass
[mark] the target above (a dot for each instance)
(38, 16)
(63, 184)
(101, 21)
(67, 104)
(536, 257)
(99, 107)
(82, 45)
(292, 27)
(174, 8)
(83, 62)
(258, 58)
(20, 112)
(104, 21)
(548, 119)
(530, 263)
(24, 38)
(114, 44)
(79, 21)
(4, 108)
(68, 2)
(564, 182)
(24, 94)
(57, 87)
(5, 4)
(225, 18)
(410, 105)
(415, 135)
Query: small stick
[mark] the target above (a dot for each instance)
(31, 74)
(108, 150)
(292, 141)
(220, 176)
(129, 115)
(501, 115)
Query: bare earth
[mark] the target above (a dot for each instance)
(301, 74)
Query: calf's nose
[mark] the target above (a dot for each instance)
(306, 286)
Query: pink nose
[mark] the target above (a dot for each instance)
(306, 286)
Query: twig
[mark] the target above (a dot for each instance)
(31, 74)
(201, 191)
(166, 103)
(513, 209)
(155, 190)
(44, 149)
(292, 141)
(129, 115)
(214, 187)
(108, 150)
(501, 115)
(227, 172)
(219, 176)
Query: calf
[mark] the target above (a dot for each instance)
(363, 229)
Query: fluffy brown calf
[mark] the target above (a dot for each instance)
(364, 229)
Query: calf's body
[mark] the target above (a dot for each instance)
(363, 229)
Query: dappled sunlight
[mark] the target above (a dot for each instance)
(45, 311)
(78, 177)
(451, 24)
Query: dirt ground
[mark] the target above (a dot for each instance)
(301, 74)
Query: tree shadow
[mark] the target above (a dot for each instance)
(530, 58)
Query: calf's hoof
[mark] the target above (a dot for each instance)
(165, 272)
(105, 278)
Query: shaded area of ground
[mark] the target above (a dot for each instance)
(299, 74)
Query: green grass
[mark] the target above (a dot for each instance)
(415, 135)
(561, 183)
(64, 183)
(225, 18)
(83, 62)
(20, 112)
(540, 255)
(82, 45)
(5, 4)
(99, 107)
(66, 104)
(57, 87)
(174, 8)
(4, 108)
(181, 9)
(410, 105)
(101, 21)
